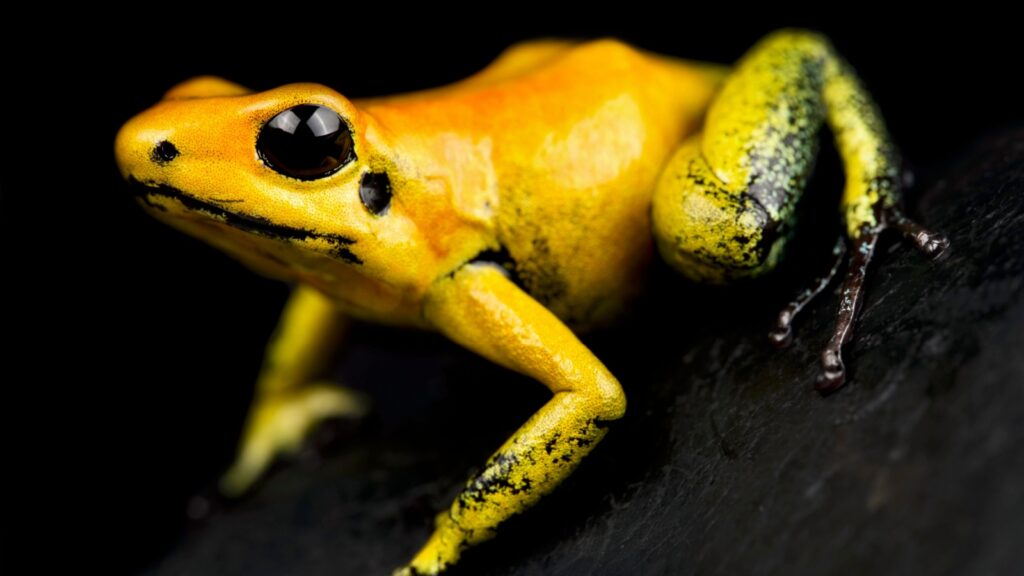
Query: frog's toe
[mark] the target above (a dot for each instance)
(782, 335)
(931, 244)
(412, 570)
(851, 295)
(833, 373)
(279, 424)
(244, 472)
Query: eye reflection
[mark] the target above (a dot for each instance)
(306, 142)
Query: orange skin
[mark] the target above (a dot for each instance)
(546, 156)
(526, 200)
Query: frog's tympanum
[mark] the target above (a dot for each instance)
(510, 211)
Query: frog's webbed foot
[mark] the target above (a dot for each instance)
(851, 294)
(279, 423)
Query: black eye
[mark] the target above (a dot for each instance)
(306, 142)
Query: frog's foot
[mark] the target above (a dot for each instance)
(851, 295)
(782, 335)
(442, 550)
(278, 424)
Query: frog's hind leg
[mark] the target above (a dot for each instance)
(725, 202)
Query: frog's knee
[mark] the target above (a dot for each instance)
(706, 231)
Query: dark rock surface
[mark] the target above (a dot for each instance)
(728, 462)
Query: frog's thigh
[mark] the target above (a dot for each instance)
(481, 309)
(725, 202)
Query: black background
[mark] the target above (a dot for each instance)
(135, 347)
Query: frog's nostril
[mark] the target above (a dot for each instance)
(164, 152)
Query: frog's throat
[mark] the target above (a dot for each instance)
(246, 222)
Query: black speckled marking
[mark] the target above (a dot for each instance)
(544, 283)
(496, 477)
(552, 442)
(743, 255)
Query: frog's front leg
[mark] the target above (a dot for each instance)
(481, 309)
(725, 203)
(289, 401)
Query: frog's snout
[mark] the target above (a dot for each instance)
(149, 143)
(143, 151)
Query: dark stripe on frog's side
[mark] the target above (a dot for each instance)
(544, 285)
(503, 260)
(247, 222)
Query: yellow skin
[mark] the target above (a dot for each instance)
(526, 203)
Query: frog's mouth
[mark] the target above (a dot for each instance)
(246, 222)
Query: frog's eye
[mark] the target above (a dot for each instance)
(306, 142)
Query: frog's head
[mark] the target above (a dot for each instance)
(287, 180)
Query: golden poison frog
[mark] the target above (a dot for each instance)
(509, 212)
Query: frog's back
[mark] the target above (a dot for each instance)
(573, 137)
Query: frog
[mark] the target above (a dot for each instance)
(512, 212)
